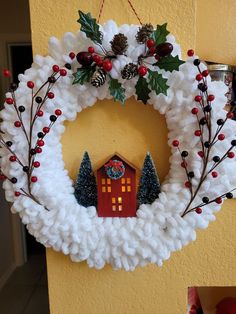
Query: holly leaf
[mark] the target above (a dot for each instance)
(90, 27)
(159, 35)
(169, 63)
(142, 90)
(83, 75)
(157, 82)
(116, 90)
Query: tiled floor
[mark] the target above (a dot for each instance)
(26, 290)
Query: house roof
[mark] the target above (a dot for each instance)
(120, 157)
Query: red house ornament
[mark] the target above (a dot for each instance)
(116, 181)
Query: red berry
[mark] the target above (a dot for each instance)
(38, 150)
(55, 68)
(218, 200)
(230, 115)
(71, 55)
(100, 63)
(198, 98)
(230, 154)
(96, 58)
(51, 95)
(34, 179)
(198, 210)
(40, 113)
(12, 158)
(40, 143)
(150, 43)
(184, 164)
(17, 194)
(46, 129)
(6, 73)
(17, 124)
(142, 70)
(199, 77)
(9, 101)
(198, 133)
(30, 84)
(190, 52)
(221, 137)
(195, 111)
(214, 174)
(36, 164)
(187, 184)
(152, 50)
(210, 97)
(175, 143)
(107, 65)
(205, 73)
(201, 154)
(91, 49)
(63, 72)
(2, 177)
(157, 57)
(58, 112)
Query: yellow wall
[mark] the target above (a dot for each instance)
(74, 288)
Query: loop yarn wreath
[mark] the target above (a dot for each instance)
(104, 62)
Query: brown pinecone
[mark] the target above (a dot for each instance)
(119, 44)
(144, 33)
(129, 71)
(98, 78)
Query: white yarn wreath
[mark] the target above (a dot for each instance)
(77, 231)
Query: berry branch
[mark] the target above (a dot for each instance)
(204, 100)
(33, 148)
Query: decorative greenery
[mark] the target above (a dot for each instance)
(83, 75)
(149, 185)
(157, 82)
(116, 90)
(85, 186)
(90, 27)
(169, 63)
(142, 90)
(160, 33)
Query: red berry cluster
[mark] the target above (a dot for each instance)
(87, 58)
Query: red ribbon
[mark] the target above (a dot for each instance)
(115, 164)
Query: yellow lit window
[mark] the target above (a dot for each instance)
(120, 200)
(120, 208)
(123, 189)
(113, 200)
(114, 208)
(128, 180)
(122, 180)
(109, 189)
(103, 189)
(108, 181)
(103, 181)
(128, 188)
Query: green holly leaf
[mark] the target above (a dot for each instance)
(157, 82)
(142, 90)
(83, 75)
(159, 35)
(116, 90)
(169, 63)
(90, 27)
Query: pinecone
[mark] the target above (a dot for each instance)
(119, 44)
(129, 71)
(144, 33)
(98, 78)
